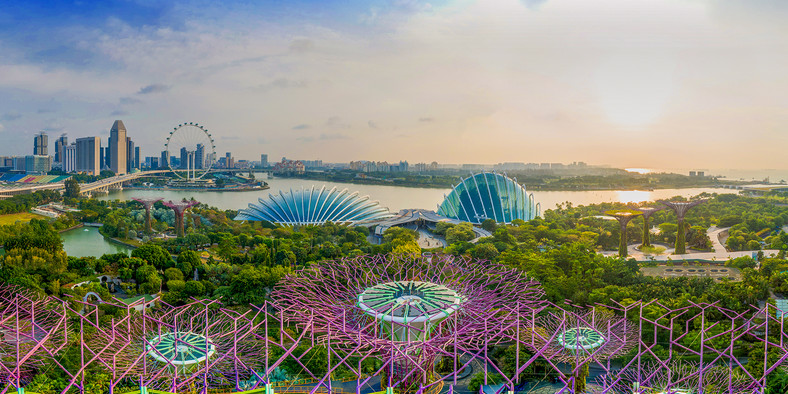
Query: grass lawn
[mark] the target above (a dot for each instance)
(24, 217)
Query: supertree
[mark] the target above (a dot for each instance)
(33, 329)
(194, 347)
(674, 377)
(623, 216)
(580, 339)
(179, 208)
(681, 208)
(408, 311)
(647, 212)
(147, 203)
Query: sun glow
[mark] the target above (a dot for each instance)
(628, 196)
(639, 170)
(633, 90)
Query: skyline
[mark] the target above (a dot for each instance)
(452, 81)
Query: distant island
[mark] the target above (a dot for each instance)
(604, 179)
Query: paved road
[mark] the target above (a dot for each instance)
(719, 252)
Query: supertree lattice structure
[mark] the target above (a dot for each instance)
(681, 208)
(33, 329)
(180, 208)
(647, 212)
(410, 311)
(408, 324)
(623, 216)
(197, 346)
(677, 378)
(580, 339)
(147, 203)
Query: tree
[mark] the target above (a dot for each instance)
(489, 225)
(187, 260)
(459, 233)
(148, 280)
(194, 288)
(485, 251)
(154, 255)
(72, 188)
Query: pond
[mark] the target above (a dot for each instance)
(87, 241)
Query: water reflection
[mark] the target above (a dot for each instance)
(628, 196)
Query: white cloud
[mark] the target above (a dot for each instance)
(504, 80)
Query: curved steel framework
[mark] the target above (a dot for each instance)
(313, 335)
(147, 203)
(197, 144)
(623, 216)
(681, 208)
(489, 195)
(315, 206)
(180, 207)
(647, 212)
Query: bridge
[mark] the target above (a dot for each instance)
(115, 182)
(88, 189)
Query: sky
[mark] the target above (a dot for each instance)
(628, 83)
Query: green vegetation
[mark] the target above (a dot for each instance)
(611, 179)
(242, 262)
(22, 217)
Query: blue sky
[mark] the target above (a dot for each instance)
(453, 81)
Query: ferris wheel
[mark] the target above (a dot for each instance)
(194, 146)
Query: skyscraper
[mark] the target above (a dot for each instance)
(102, 157)
(263, 160)
(164, 159)
(37, 164)
(60, 144)
(69, 157)
(130, 164)
(89, 155)
(117, 148)
(40, 143)
(184, 158)
(137, 158)
(199, 157)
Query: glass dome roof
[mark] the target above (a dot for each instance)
(489, 196)
(315, 206)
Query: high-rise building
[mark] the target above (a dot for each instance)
(130, 164)
(40, 144)
(164, 159)
(199, 157)
(60, 144)
(137, 158)
(69, 156)
(117, 148)
(152, 162)
(230, 162)
(184, 158)
(263, 160)
(37, 164)
(89, 155)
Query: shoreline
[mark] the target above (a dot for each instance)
(528, 187)
(194, 189)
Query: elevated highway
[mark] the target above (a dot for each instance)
(100, 186)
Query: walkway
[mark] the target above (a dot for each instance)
(719, 253)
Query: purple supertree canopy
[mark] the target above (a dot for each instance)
(412, 309)
(675, 378)
(179, 207)
(32, 329)
(198, 344)
(596, 335)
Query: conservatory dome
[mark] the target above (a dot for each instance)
(489, 196)
(315, 206)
